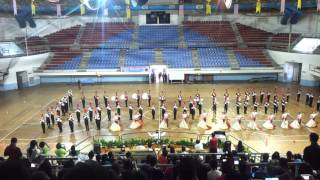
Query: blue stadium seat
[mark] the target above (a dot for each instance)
(104, 59)
(213, 58)
(178, 58)
(158, 37)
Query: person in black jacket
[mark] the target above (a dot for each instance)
(311, 153)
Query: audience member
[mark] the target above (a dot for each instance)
(311, 154)
(213, 173)
(60, 151)
(12, 150)
(198, 146)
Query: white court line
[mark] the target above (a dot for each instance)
(24, 122)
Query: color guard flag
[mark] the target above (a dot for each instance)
(282, 6)
(258, 7)
(14, 4)
(299, 4)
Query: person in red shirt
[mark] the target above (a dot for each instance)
(213, 144)
(12, 150)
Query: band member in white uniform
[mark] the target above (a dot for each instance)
(90, 111)
(137, 122)
(261, 96)
(109, 112)
(296, 124)
(252, 123)
(140, 112)
(71, 124)
(70, 97)
(149, 98)
(162, 98)
(175, 110)
(126, 98)
(118, 109)
(226, 101)
(266, 106)
(237, 123)
(115, 124)
(312, 122)
(223, 123)
(47, 117)
(284, 121)
(98, 120)
(86, 120)
(78, 113)
(153, 112)
(164, 122)
(269, 122)
(96, 99)
(179, 98)
(183, 124)
(43, 124)
(99, 111)
(52, 116)
(130, 111)
(105, 99)
(203, 121)
(59, 123)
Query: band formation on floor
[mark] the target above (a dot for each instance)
(89, 113)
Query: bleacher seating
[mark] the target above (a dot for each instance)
(195, 39)
(252, 58)
(96, 34)
(158, 36)
(36, 44)
(213, 58)
(178, 58)
(280, 41)
(104, 59)
(121, 40)
(220, 32)
(253, 37)
(142, 57)
(65, 37)
(64, 59)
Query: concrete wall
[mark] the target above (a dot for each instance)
(306, 59)
(28, 63)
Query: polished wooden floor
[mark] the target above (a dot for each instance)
(20, 113)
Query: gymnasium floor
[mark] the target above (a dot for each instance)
(20, 114)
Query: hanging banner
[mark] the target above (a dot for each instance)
(14, 4)
(258, 7)
(299, 4)
(282, 6)
(33, 8)
(128, 12)
(82, 8)
(208, 9)
(58, 9)
(236, 9)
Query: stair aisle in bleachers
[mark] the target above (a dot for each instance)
(78, 37)
(85, 59)
(135, 35)
(158, 57)
(240, 41)
(182, 42)
(122, 57)
(232, 60)
(274, 64)
(195, 58)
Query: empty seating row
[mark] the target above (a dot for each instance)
(213, 58)
(65, 60)
(252, 58)
(64, 37)
(120, 40)
(178, 58)
(158, 36)
(104, 59)
(142, 57)
(194, 39)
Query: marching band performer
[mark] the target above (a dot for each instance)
(284, 122)
(90, 110)
(200, 106)
(299, 94)
(193, 111)
(288, 95)
(96, 99)
(149, 98)
(238, 96)
(318, 104)
(183, 124)
(275, 106)
(197, 97)
(83, 101)
(130, 111)
(105, 99)
(254, 96)
(86, 120)
(97, 118)
(310, 99)
(52, 116)
(165, 121)
(179, 98)
(162, 98)
(245, 107)
(137, 122)
(252, 124)
(223, 122)
(255, 106)
(261, 96)
(153, 112)
(71, 119)
(99, 111)
(116, 99)
(115, 124)
(163, 110)
(175, 110)
(269, 122)
(268, 96)
(70, 97)
(238, 105)
(226, 103)
(203, 121)
(47, 117)
(58, 110)
(296, 124)
(266, 106)
(118, 109)
(126, 99)
(43, 124)
(190, 103)
(185, 110)
(307, 97)
(138, 98)
(140, 112)
(283, 104)
(59, 123)
(214, 105)
(237, 123)
(109, 112)
(312, 122)
(78, 113)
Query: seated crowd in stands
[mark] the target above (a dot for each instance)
(168, 165)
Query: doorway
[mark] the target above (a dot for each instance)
(22, 79)
(292, 72)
